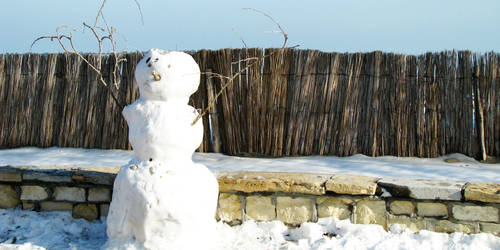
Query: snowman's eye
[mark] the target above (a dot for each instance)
(149, 58)
(156, 59)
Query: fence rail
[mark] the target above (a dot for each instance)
(294, 102)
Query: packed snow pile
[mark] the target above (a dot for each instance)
(154, 204)
(29, 230)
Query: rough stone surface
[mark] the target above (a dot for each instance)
(69, 194)
(370, 212)
(52, 176)
(104, 209)
(8, 197)
(28, 205)
(10, 174)
(35, 193)
(260, 208)
(55, 206)
(445, 226)
(482, 191)
(423, 189)
(475, 213)
(339, 208)
(229, 207)
(414, 224)
(99, 194)
(85, 211)
(250, 182)
(491, 228)
(94, 177)
(352, 184)
(431, 209)
(402, 207)
(294, 211)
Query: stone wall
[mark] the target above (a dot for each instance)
(294, 198)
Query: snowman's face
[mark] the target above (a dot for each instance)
(167, 76)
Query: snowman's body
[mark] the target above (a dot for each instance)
(162, 199)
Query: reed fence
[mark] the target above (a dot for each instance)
(292, 102)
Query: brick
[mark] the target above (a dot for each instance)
(52, 176)
(55, 206)
(294, 211)
(35, 193)
(334, 207)
(104, 209)
(402, 207)
(100, 194)
(69, 194)
(491, 228)
(370, 212)
(482, 191)
(445, 226)
(8, 197)
(475, 213)
(352, 184)
(412, 223)
(260, 208)
(10, 174)
(28, 205)
(431, 209)
(86, 211)
(229, 208)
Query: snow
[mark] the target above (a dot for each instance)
(58, 230)
(387, 166)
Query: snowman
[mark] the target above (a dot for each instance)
(162, 199)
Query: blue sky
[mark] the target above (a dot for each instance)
(411, 27)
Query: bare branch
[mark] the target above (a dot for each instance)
(285, 35)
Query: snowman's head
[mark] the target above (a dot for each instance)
(167, 76)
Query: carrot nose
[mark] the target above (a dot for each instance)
(156, 76)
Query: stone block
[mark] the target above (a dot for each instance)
(339, 208)
(28, 205)
(229, 207)
(475, 213)
(8, 197)
(251, 182)
(85, 211)
(370, 212)
(445, 226)
(423, 189)
(491, 228)
(104, 209)
(482, 191)
(10, 174)
(99, 194)
(352, 184)
(414, 224)
(431, 209)
(94, 177)
(260, 208)
(402, 207)
(47, 176)
(294, 211)
(55, 206)
(69, 194)
(35, 193)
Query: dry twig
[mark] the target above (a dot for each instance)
(101, 35)
(228, 80)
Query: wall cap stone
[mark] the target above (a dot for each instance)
(423, 189)
(482, 191)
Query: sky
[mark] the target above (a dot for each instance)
(400, 26)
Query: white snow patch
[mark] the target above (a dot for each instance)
(387, 166)
(58, 230)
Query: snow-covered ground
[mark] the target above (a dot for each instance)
(58, 230)
(467, 169)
